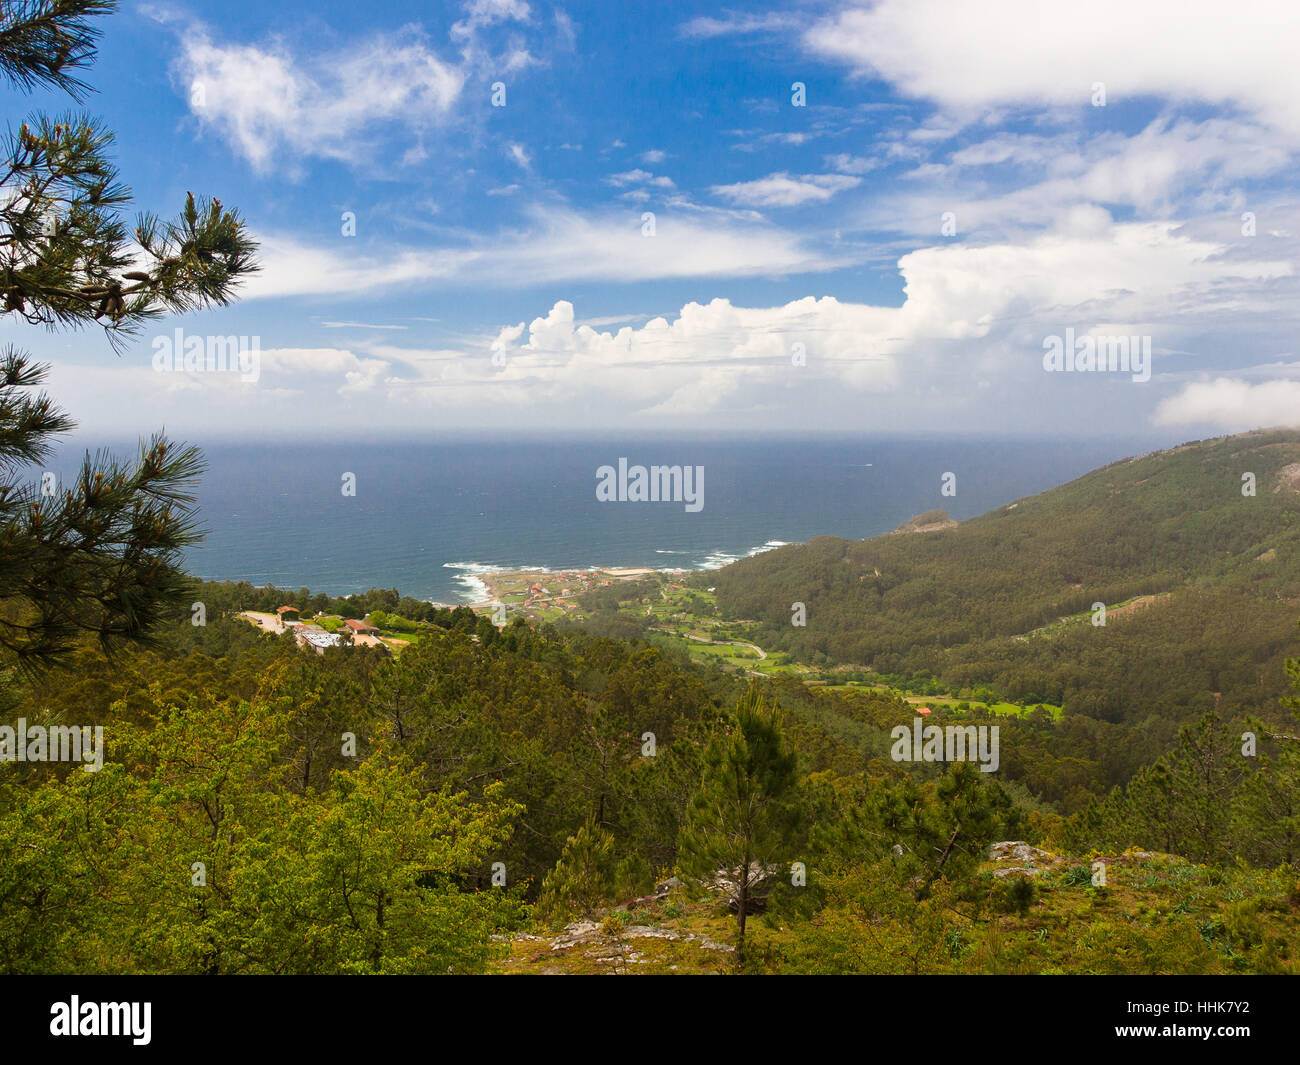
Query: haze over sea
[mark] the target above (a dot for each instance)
(430, 514)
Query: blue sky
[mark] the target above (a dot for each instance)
(962, 182)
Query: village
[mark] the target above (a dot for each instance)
(548, 595)
(325, 632)
(543, 595)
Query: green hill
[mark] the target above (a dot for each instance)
(1201, 581)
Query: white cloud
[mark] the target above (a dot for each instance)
(973, 316)
(560, 245)
(267, 103)
(851, 164)
(287, 364)
(639, 177)
(1089, 272)
(1233, 405)
(782, 190)
(1153, 171)
(967, 311)
(971, 57)
(518, 155)
(733, 23)
(688, 365)
(276, 106)
(483, 13)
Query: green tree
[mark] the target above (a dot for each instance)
(936, 829)
(193, 851)
(583, 878)
(740, 820)
(99, 555)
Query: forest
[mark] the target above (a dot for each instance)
(265, 809)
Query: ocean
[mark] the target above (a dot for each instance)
(429, 516)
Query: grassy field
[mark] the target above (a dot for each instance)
(684, 619)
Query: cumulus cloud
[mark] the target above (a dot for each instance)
(707, 353)
(968, 312)
(972, 317)
(1233, 405)
(972, 57)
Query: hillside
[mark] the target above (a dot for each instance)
(515, 800)
(1201, 582)
(1156, 913)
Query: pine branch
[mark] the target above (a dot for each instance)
(43, 41)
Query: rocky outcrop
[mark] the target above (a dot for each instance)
(1030, 861)
(930, 521)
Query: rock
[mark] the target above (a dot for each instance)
(930, 521)
(1018, 850)
(665, 886)
(645, 931)
(1288, 478)
(578, 932)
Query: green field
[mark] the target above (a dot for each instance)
(683, 619)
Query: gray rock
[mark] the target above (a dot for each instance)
(665, 886)
(1018, 850)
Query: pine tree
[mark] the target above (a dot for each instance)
(583, 877)
(98, 556)
(741, 817)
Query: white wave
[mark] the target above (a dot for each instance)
(488, 567)
(718, 559)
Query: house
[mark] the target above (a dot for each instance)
(359, 628)
(287, 614)
(317, 638)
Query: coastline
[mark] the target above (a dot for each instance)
(487, 584)
(538, 585)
